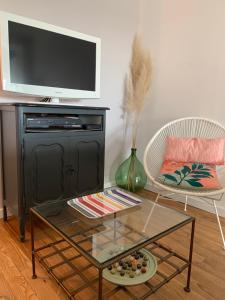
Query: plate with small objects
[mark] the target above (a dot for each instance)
(134, 269)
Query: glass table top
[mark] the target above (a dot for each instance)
(105, 238)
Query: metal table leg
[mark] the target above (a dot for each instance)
(187, 288)
(34, 276)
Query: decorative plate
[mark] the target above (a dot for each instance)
(129, 276)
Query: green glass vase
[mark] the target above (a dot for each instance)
(131, 174)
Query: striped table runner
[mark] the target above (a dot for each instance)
(101, 204)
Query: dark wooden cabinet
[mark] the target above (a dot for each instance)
(46, 169)
(63, 167)
(44, 165)
(87, 164)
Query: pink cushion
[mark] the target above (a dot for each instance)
(208, 151)
(189, 175)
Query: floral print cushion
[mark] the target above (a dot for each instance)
(189, 175)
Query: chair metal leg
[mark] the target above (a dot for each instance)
(157, 198)
(218, 220)
(186, 202)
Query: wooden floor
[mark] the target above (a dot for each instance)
(208, 274)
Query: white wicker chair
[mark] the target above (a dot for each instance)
(154, 153)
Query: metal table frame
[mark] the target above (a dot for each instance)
(151, 244)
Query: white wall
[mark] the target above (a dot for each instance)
(115, 22)
(186, 38)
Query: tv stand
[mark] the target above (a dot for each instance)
(50, 153)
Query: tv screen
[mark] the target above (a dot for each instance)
(45, 58)
(41, 59)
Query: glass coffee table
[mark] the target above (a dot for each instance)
(74, 238)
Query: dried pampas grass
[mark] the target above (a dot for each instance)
(138, 82)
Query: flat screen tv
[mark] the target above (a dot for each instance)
(45, 60)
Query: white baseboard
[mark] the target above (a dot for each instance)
(193, 202)
(108, 184)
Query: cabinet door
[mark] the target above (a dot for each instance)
(46, 169)
(87, 156)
